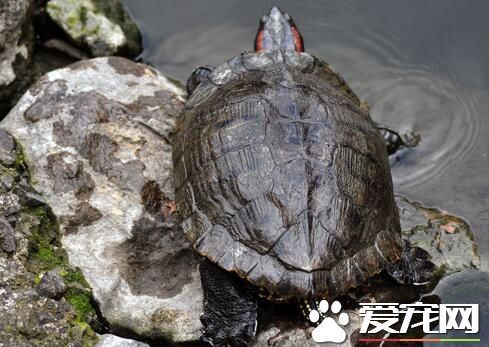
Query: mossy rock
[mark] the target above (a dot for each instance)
(26, 316)
(102, 27)
(447, 238)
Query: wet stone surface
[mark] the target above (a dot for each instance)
(448, 239)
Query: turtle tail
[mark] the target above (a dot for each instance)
(307, 306)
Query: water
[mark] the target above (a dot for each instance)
(422, 67)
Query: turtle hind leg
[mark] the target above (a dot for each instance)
(414, 267)
(230, 308)
(198, 75)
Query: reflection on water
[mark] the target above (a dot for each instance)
(468, 287)
(422, 67)
(413, 98)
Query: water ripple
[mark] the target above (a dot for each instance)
(407, 96)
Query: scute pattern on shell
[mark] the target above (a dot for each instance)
(283, 179)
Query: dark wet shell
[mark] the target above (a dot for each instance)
(283, 179)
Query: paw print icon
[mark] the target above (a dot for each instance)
(329, 329)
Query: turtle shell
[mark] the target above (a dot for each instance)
(283, 179)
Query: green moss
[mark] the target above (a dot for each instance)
(82, 303)
(53, 9)
(41, 228)
(46, 254)
(44, 251)
(115, 12)
(8, 174)
(72, 276)
(38, 278)
(19, 165)
(19, 158)
(438, 274)
(72, 23)
(83, 16)
(90, 338)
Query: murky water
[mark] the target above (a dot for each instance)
(422, 67)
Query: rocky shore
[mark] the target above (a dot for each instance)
(90, 250)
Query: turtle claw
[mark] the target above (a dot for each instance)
(414, 267)
(394, 140)
(222, 340)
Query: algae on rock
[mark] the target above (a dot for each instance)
(447, 238)
(102, 27)
(29, 316)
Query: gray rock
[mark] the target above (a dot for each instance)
(101, 26)
(7, 240)
(29, 248)
(9, 201)
(448, 239)
(16, 43)
(96, 139)
(52, 285)
(108, 340)
(14, 31)
(7, 148)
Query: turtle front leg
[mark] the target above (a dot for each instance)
(414, 267)
(394, 141)
(230, 308)
(198, 75)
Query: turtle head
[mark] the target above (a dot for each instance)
(277, 31)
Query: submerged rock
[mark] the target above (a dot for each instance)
(96, 139)
(16, 45)
(30, 258)
(102, 27)
(448, 239)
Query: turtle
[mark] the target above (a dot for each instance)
(283, 184)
